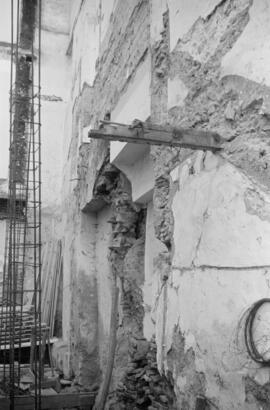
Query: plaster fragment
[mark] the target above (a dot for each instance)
(175, 174)
(230, 112)
(177, 92)
(217, 222)
(211, 161)
(250, 55)
(257, 205)
(262, 376)
(183, 15)
(181, 382)
(230, 233)
(198, 163)
(158, 7)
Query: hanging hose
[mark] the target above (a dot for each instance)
(249, 333)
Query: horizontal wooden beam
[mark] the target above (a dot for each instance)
(56, 401)
(146, 133)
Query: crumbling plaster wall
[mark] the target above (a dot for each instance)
(223, 267)
(95, 90)
(207, 73)
(207, 210)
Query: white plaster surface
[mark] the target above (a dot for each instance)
(52, 152)
(250, 55)
(220, 267)
(221, 218)
(5, 20)
(151, 285)
(85, 52)
(86, 242)
(89, 19)
(56, 15)
(54, 64)
(79, 241)
(139, 173)
(208, 305)
(134, 104)
(177, 92)
(74, 10)
(54, 79)
(106, 9)
(184, 13)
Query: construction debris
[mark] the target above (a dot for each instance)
(50, 279)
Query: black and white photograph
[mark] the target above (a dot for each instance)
(134, 204)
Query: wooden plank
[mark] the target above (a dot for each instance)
(26, 344)
(19, 337)
(57, 401)
(147, 133)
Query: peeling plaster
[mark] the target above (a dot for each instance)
(250, 55)
(212, 219)
(206, 307)
(184, 14)
(257, 204)
(217, 220)
(177, 92)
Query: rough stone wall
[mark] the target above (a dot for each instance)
(121, 53)
(210, 212)
(136, 381)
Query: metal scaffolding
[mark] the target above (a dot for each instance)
(22, 268)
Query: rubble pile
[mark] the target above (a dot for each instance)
(142, 386)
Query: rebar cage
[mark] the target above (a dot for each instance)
(21, 299)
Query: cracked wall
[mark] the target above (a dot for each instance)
(218, 260)
(223, 267)
(207, 221)
(90, 99)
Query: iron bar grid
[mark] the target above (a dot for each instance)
(22, 266)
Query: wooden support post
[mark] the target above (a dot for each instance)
(51, 402)
(146, 133)
(32, 349)
(44, 337)
(50, 353)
